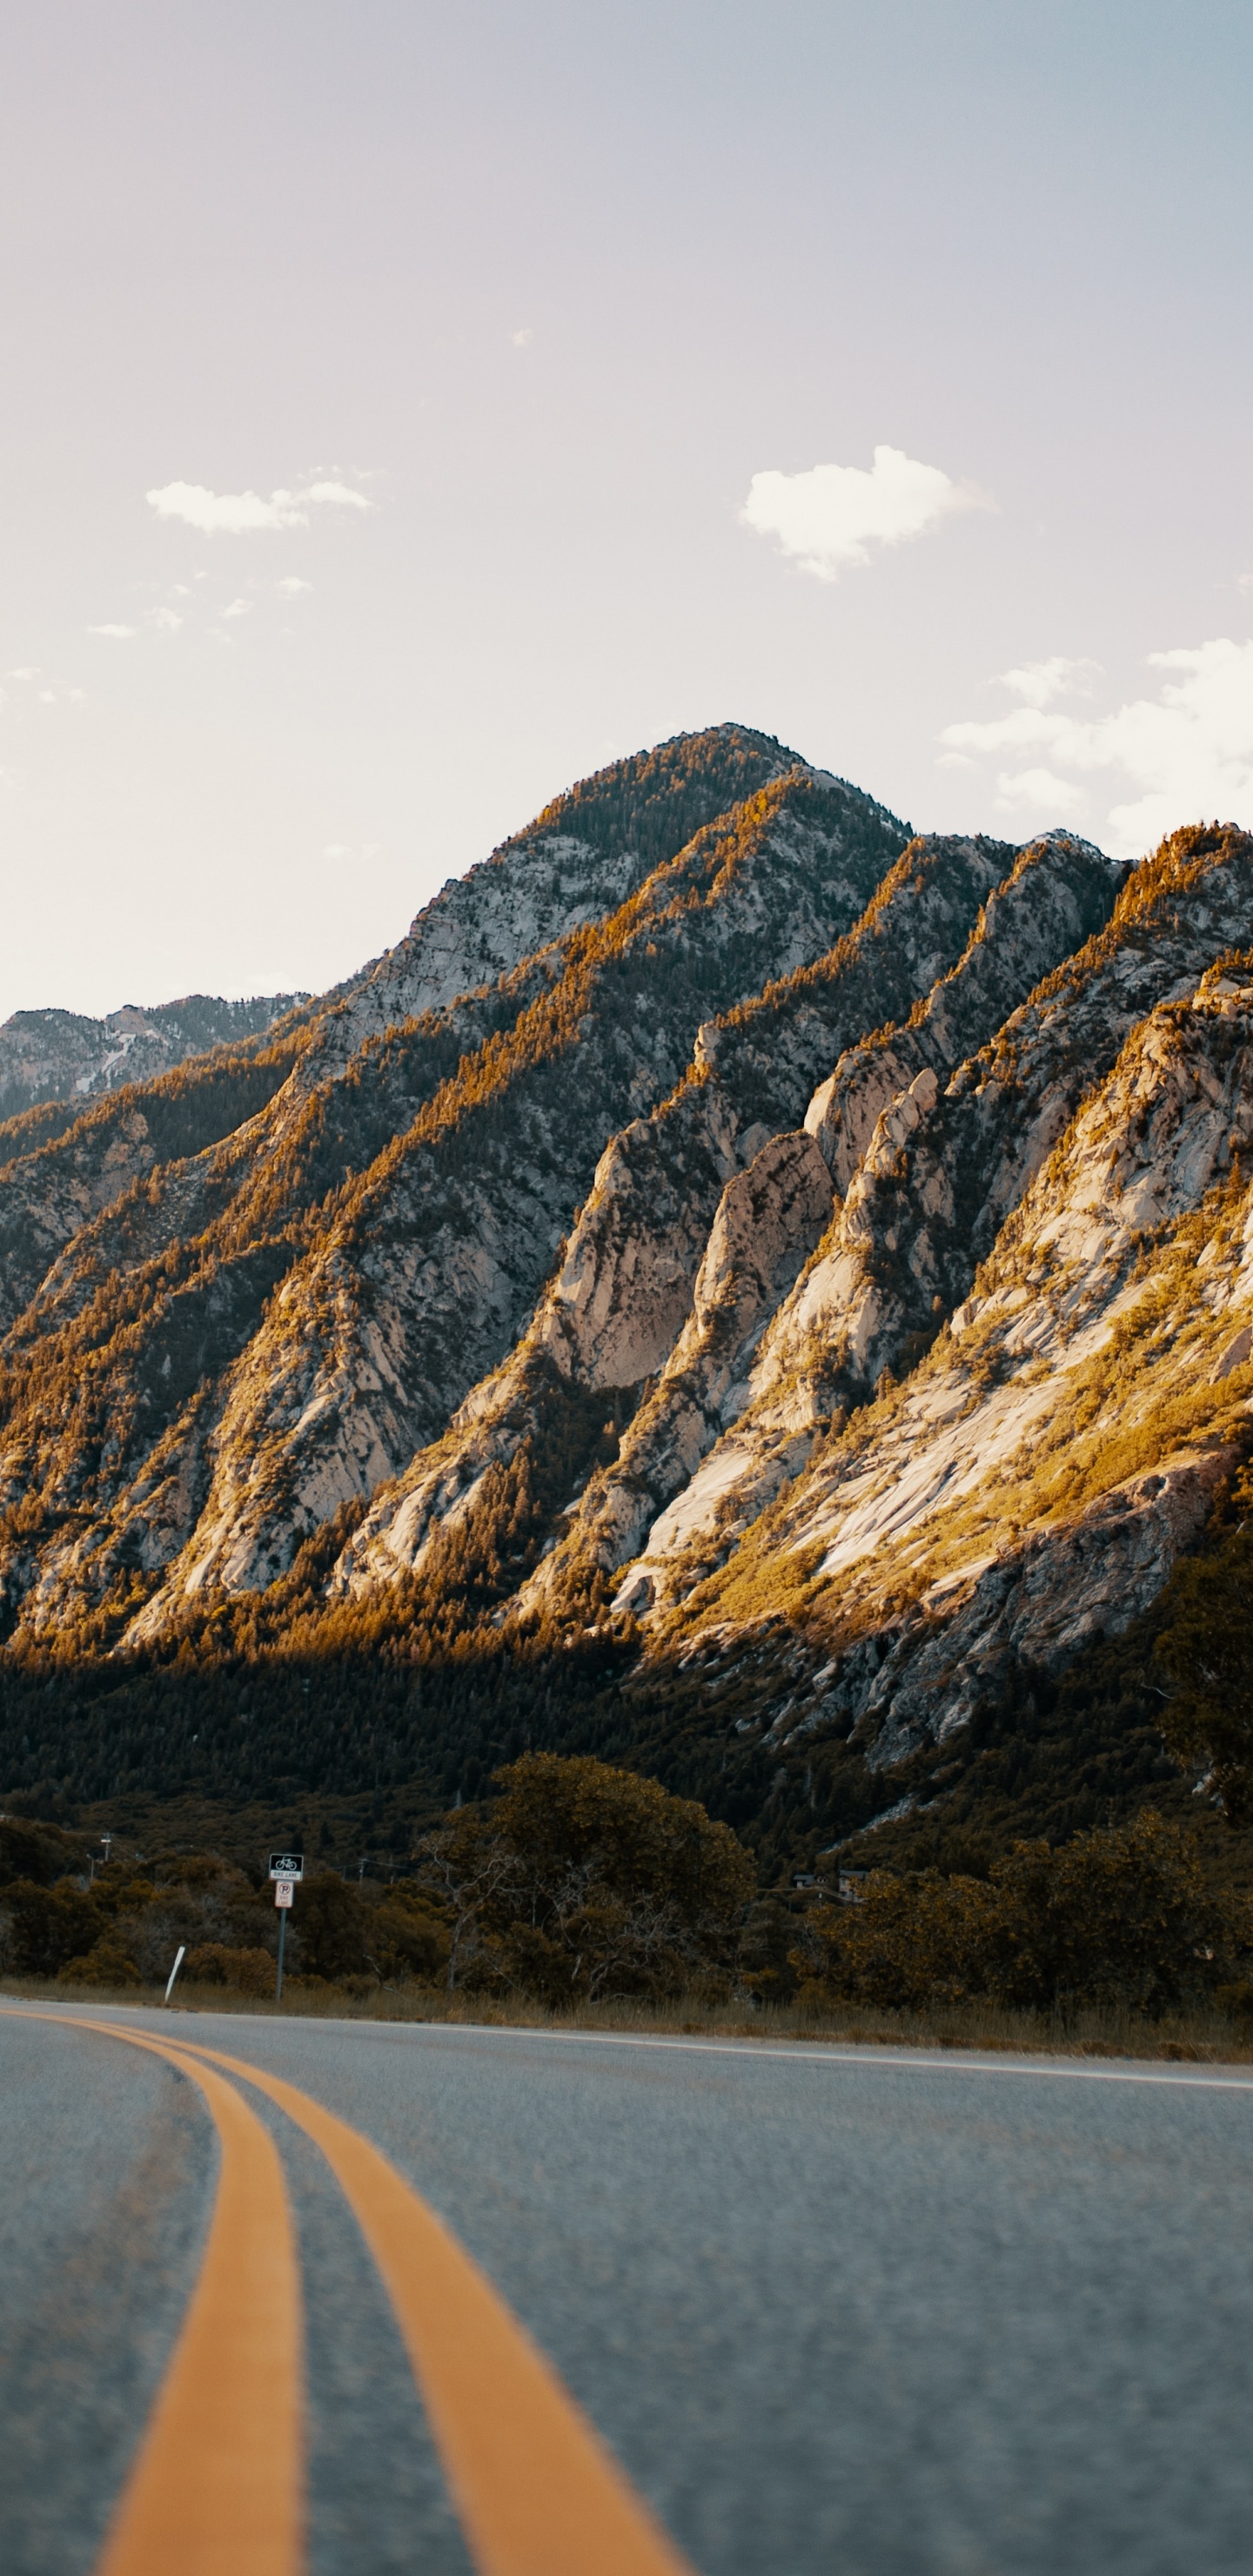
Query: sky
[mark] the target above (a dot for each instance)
(410, 409)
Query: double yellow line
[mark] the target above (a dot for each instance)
(217, 2488)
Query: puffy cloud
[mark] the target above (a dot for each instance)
(120, 634)
(1040, 682)
(522, 339)
(1187, 752)
(830, 517)
(239, 513)
(238, 608)
(167, 620)
(335, 496)
(292, 583)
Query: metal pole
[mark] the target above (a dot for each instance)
(182, 1953)
(282, 1934)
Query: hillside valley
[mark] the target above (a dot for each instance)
(743, 1288)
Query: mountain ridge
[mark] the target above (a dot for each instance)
(711, 1243)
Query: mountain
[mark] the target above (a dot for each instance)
(742, 1288)
(59, 1055)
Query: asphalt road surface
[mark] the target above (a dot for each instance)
(829, 2314)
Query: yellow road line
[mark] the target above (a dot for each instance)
(217, 2488)
(537, 2491)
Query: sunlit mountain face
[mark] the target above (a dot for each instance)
(742, 1286)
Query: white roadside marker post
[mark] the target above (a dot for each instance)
(285, 1869)
(182, 1953)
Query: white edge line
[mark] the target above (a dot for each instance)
(921, 2062)
(917, 2062)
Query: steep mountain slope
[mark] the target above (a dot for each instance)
(59, 1055)
(581, 857)
(1026, 1491)
(1052, 893)
(797, 1269)
(432, 1261)
(417, 1191)
(942, 1171)
(622, 1299)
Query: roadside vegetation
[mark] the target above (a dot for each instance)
(582, 1896)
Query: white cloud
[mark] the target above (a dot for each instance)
(166, 620)
(25, 671)
(1040, 682)
(119, 633)
(1044, 792)
(292, 583)
(335, 496)
(1188, 752)
(522, 339)
(238, 608)
(830, 517)
(240, 513)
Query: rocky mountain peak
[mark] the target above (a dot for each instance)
(792, 1250)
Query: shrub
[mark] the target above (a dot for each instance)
(214, 1963)
(1121, 1918)
(48, 1926)
(108, 1964)
(588, 1880)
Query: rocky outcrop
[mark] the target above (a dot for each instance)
(949, 1161)
(1030, 1486)
(946, 1164)
(1049, 897)
(577, 863)
(613, 1313)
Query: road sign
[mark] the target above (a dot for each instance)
(284, 1890)
(287, 1864)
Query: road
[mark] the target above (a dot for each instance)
(880, 2313)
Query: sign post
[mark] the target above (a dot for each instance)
(285, 1869)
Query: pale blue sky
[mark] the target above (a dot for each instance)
(548, 285)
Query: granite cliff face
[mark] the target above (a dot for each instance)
(727, 1221)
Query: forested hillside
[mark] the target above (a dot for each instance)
(742, 1289)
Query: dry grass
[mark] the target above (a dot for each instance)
(1199, 2039)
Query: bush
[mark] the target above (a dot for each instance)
(214, 1963)
(1120, 1918)
(49, 1926)
(585, 1880)
(108, 1964)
